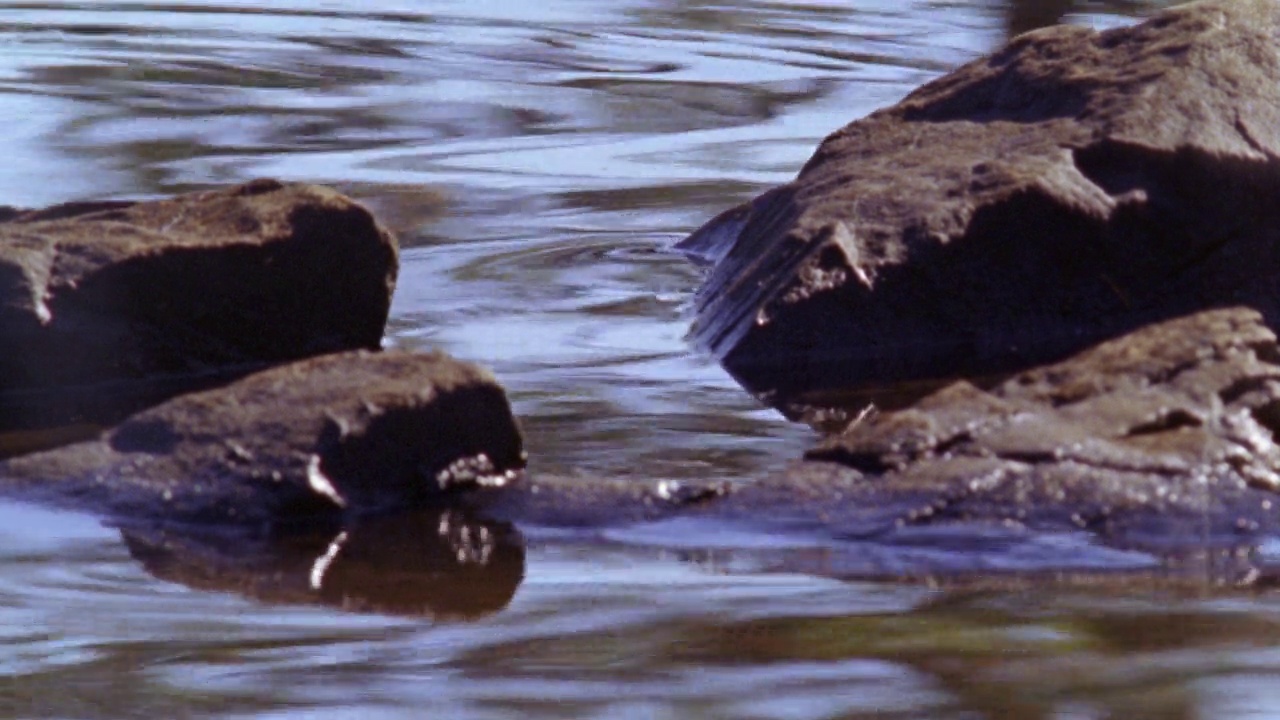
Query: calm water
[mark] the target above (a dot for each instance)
(573, 142)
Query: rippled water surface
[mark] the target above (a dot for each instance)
(538, 160)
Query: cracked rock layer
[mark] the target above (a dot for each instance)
(1163, 438)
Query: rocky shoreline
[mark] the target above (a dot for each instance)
(1036, 295)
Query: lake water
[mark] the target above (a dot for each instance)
(571, 142)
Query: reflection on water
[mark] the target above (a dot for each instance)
(538, 159)
(437, 565)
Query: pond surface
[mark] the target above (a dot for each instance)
(538, 161)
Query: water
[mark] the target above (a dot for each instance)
(573, 141)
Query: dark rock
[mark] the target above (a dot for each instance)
(1162, 439)
(1150, 458)
(1070, 188)
(310, 442)
(108, 307)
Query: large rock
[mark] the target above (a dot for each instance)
(108, 307)
(317, 441)
(1163, 439)
(1153, 455)
(1072, 187)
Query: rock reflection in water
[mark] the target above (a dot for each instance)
(440, 564)
(450, 564)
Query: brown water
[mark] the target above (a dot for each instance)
(574, 142)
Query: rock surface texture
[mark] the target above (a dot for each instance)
(1153, 453)
(437, 563)
(1072, 187)
(108, 307)
(1158, 446)
(1163, 438)
(336, 436)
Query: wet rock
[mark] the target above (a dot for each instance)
(1148, 458)
(1163, 439)
(109, 307)
(309, 442)
(1072, 187)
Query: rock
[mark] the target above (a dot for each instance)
(1150, 458)
(310, 442)
(1072, 187)
(1163, 439)
(106, 308)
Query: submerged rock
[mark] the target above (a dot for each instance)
(108, 307)
(1072, 187)
(332, 437)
